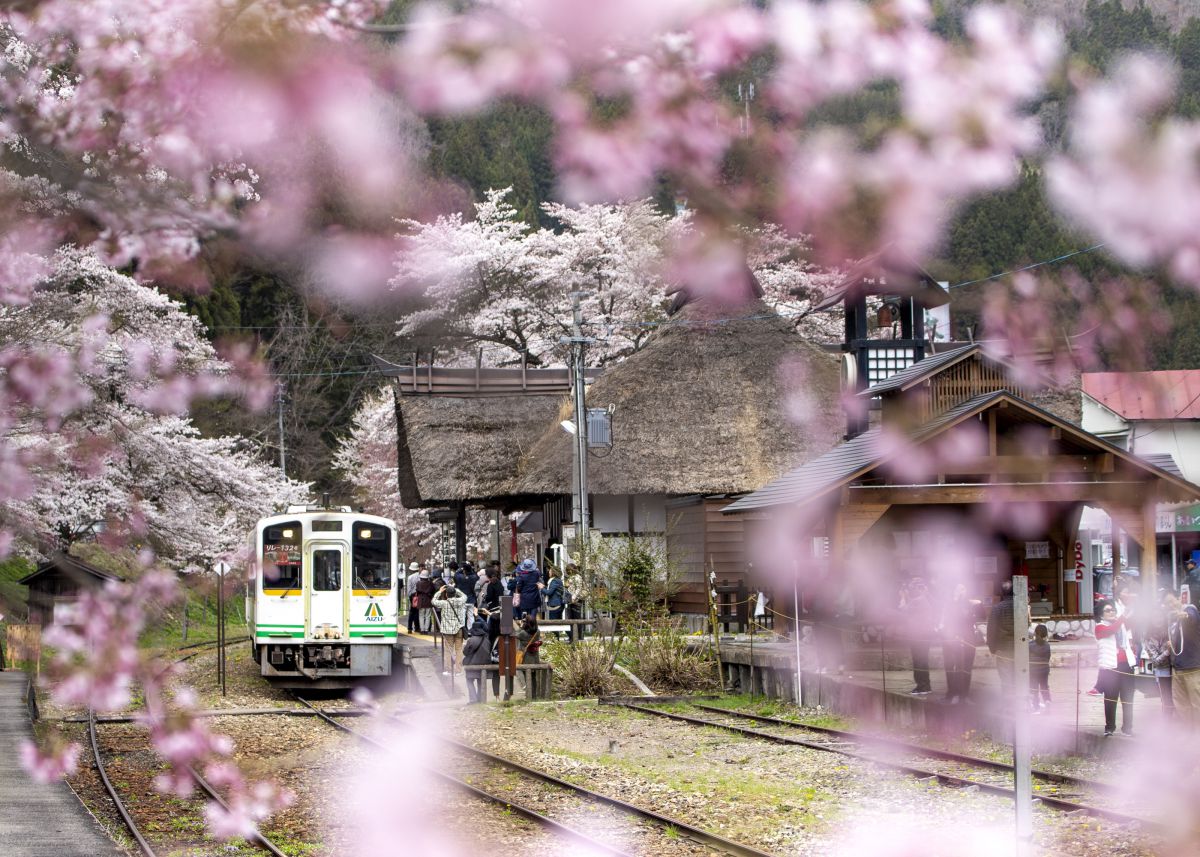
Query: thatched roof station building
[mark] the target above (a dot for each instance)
(717, 404)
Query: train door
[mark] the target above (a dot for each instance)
(326, 613)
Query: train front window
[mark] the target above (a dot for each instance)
(327, 570)
(281, 556)
(372, 556)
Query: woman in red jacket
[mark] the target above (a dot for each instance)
(1115, 658)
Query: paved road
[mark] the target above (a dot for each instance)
(38, 820)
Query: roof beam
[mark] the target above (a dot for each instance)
(999, 492)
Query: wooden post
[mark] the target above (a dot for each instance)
(1022, 783)
(1149, 569)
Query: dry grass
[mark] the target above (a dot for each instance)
(583, 668)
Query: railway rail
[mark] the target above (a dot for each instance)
(671, 827)
(258, 838)
(1055, 792)
(194, 650)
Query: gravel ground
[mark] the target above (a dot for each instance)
(786, 800)
(781, 799)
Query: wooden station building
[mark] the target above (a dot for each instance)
(958, 442)
(702, 413)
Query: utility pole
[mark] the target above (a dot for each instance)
(282, 449)
(578, 343)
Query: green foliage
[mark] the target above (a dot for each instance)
(1110, 30)
(507, 146)
(14, 598)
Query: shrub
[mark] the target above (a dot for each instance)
(657, 653)
(583, 668)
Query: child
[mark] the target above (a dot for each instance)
(1039, 670)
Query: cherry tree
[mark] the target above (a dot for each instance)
(140, 129)
(496, 284)
(124, 454)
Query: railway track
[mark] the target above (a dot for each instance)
(193, 650)
(134, 829)
(663, 832)
(1055, 791)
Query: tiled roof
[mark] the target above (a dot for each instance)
(1168, 395)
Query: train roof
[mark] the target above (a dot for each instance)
(312, 512)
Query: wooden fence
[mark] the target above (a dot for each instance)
(23, 646)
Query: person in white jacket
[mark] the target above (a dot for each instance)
(1115, 658)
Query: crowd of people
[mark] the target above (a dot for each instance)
(1154, 649)
(462, 605)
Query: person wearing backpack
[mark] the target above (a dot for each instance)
(527, 589)
(556, 594)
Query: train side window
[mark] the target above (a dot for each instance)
(281, 555)
(327, 570)
(372, 556)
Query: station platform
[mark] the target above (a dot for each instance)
(39, 820)
(878, 687)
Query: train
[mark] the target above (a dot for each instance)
(321, 599)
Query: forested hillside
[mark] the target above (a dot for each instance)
(320, 352)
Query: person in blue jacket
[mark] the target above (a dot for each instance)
(528, 585)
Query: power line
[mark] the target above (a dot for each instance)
(1029, 267)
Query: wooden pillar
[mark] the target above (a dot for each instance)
(1116, 547)
(460, 532)
(1149, 569)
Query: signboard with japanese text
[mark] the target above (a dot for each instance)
(1037, 550)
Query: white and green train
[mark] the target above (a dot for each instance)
(322, 596)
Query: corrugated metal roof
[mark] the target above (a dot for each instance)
(841, 464)
(818, 475)
(1163, 461)
(931, 365)
(1168, 395)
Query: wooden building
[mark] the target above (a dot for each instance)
(703, 412)
(991, 454)
(55, 586)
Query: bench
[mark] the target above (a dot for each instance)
(539, 679)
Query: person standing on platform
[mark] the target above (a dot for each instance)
(424, 591)
(959, 639)
(1114, 654)
(492, 593)
(449, 602)
(577, 596)
(478, 652)
(410, 586)
(1156, 648)
(918, 623)
(1000, 638)
(464, 582)
(527, 588)
(1185, 652)
(1039, 669)
(1191, 579)
(556, 595)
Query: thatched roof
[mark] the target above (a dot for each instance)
(466, 449)
(704, 408)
